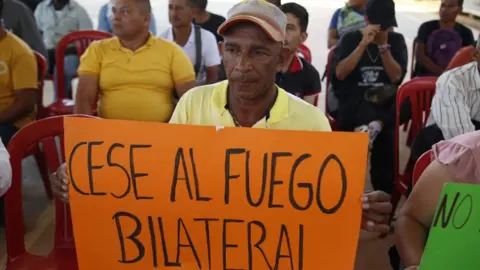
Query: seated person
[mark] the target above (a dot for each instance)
(207, 105)
(193, 39)
(345, 19)
(133, 74)
(297, 76)
(207, 20)
(18, 19)
(18, 84)
(372, 58)
(456, 161)
(55, 19)
(105, 25)
(426, 65)
(455, 108)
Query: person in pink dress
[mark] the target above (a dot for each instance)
(454, 161)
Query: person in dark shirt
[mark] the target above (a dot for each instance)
(207, 20)
(449, 10)
(298, 77)
(372, 58)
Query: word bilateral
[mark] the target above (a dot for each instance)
(205, 242)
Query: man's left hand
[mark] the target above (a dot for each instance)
(376, 208)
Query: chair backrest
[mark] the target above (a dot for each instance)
(42, 71)
(305, 52)
(82, 40)
(421, 165)
(45, 132)
(462, 57)
(420, 92)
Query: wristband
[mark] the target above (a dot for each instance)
(384, 48)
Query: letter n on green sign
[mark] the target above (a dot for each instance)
(454, 238)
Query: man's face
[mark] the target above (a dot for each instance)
(251, 60)
(127, 19)
(179, 13)
(449, 9)
(295, 36)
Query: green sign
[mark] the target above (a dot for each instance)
(454, 238)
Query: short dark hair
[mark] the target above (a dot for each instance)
(298, 11)
(201, 4)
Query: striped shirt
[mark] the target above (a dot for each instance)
(457, 101)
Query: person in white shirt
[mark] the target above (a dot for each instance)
(5, 170)
(199, 44)
(55, 19)
(455, 107)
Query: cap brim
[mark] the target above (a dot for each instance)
(391, 22)
(273, 33)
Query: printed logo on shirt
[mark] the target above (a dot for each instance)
(3, 68)
(370, 76)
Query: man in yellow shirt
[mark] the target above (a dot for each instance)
(18, 83)
(252, 51)
(254, 33)
(134, 73)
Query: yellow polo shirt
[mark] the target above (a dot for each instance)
(18, 71)
(137, 85)
(205, 105)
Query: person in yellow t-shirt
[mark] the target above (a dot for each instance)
(252, 51)
(18, 84)
(135, 74)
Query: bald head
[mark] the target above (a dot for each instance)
(144, 6)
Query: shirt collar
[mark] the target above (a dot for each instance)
(69, 4)
(296, 64)
(278, 112)
(191, 38)
(148, 44)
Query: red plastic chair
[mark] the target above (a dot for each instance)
(304, 52)
(421, 165)
(462, 57)
(63, 256)
(333, 122)
(42, 112)
(82, 39)
(420, 92)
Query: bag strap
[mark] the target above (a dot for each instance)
(198, 48)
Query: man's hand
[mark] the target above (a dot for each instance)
(59, 181)
(369, 34)
(376, 208)
(382, 37)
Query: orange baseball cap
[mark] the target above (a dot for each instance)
(260, 12)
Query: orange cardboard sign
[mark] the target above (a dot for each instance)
(165, 196)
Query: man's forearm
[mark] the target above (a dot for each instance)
(16, 111)
(347, 65)
(83, 106)
(392, 68)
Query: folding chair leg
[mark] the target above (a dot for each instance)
(42, 167)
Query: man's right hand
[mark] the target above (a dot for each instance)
(369, 34)
(59, 181)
